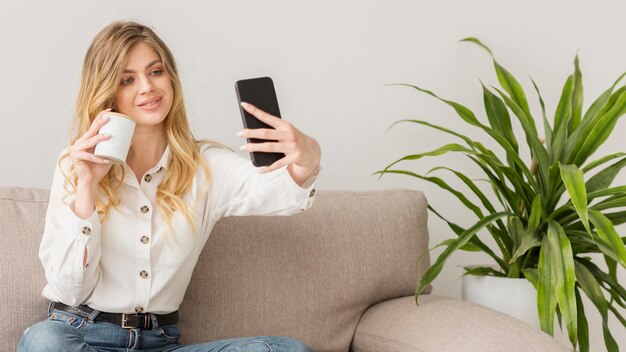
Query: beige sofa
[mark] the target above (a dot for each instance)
(339, 276)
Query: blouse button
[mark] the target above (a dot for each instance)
(312, 193)
(145, 209)
(145, 239)
(147, 178)
(143, 274)
(160, 168)
(138, 309)
(86, 231)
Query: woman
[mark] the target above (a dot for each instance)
(121, 241)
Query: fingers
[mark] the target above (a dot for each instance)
(81, 156)
(82, 149)
(262, 115)
(269, 147)
(278, 164)
(266, 133)
(97, 123)
(298, 148)
(91, 142)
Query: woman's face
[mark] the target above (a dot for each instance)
(145, 91)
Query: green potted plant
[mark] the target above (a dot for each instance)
(549, 212)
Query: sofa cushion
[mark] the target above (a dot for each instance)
(444, 324)
(22, 214)
(309, 275)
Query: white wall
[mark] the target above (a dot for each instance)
(330, 61)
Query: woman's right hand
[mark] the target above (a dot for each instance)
(90, 169)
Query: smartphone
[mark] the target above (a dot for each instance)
(260, 93)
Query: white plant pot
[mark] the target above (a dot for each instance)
(515, 297)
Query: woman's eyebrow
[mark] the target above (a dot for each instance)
(147, 66)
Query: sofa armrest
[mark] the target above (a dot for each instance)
(444, 324)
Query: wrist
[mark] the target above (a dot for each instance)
(86, 187)
(302, 174)
(84, 203)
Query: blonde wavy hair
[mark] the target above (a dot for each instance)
(103, 65)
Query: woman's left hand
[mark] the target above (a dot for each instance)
(302, 153)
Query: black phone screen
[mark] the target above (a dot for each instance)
(260, 93)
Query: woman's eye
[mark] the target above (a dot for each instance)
(127, 81)
(156, 72)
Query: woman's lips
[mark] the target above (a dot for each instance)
(151, 105)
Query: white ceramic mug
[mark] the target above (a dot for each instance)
(121, 128)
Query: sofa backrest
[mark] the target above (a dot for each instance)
(309, 275)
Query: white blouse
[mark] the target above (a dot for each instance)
(134, 263)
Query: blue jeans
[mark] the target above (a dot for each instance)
(73, 331)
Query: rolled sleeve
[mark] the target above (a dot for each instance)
(87, 236)
(304, 194)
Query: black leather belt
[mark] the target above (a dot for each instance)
(127, 321)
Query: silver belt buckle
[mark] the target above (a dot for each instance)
(125, 321)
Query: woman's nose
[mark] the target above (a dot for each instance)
(146, 85)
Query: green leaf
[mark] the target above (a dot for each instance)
(512, 155)
(602, 276)
(610, 203)
(532, 275)
(577, 97)
(573, 179)
(617, 218)
(607, 232)
(442, 184)
(468, 247)
(475, 241)
(558, 144)
(485, 202)
(466, 114)
(477, 42)
(498, 116)
(436, 268)
(592, 289)
(583, 326)
(546, 124)
(613, 191)
(564, 109)
(601, 101)
(592, 165)
(506, 79)
(559, 252)
(604, 178)
(482, 271)
(534, 220)
(503, 192)
(530, 239)
(617, 314)
(601, 128)
(516, 230)
(612, 265)
(599, 107)
(595, 241)
(537, 149)
(452, 147)
(546, 289)
(555, 188)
